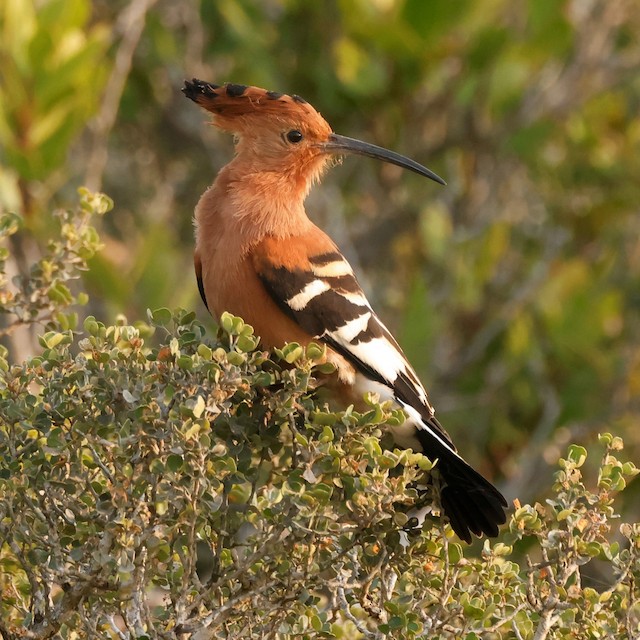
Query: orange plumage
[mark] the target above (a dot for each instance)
(260, 257)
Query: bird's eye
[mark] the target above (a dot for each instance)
(294, 136)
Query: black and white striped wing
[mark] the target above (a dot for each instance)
(326, 300)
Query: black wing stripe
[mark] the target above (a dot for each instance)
(373, 330)
(325, 307)
(347, 283)
(326, 258)
(201, 290)
(326, 311)
(404, 390)
(285, 284)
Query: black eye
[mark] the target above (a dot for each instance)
(294, 136)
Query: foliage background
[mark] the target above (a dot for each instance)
(514, 289)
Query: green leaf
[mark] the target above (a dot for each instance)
(52, 339)
(246, 343)
(239, 493)
(372, 446)
(292, 352)
(161, 317)
(315, 351)
(233, 325)
(324, 418)
(175, 462)
(577, 455)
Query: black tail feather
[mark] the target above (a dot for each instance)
(470, 502)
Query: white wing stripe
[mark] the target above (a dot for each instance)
(310, 291)
(332, 269)
(355, 298)
(379, 354)
(415, 417)
(351, 329)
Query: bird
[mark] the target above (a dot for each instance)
(259, 256)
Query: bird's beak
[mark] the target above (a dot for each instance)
(343, 145)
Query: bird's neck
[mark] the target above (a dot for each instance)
(251, 205)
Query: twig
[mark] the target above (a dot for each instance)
(133, 19)
(516, 631)
(211, 619)
(344, 607)
(503, 621)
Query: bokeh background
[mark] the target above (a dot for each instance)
(515, 290)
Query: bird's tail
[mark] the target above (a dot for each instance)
(470, 502)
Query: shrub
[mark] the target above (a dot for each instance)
(156, 482)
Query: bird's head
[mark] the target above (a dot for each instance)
(283, 133)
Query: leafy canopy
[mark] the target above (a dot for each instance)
(162, 483)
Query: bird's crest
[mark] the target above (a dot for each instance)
(232, 104)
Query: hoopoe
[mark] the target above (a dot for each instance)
(259, 256)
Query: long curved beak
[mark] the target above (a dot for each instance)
(342, 144)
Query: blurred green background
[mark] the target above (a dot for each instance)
(514, 290)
